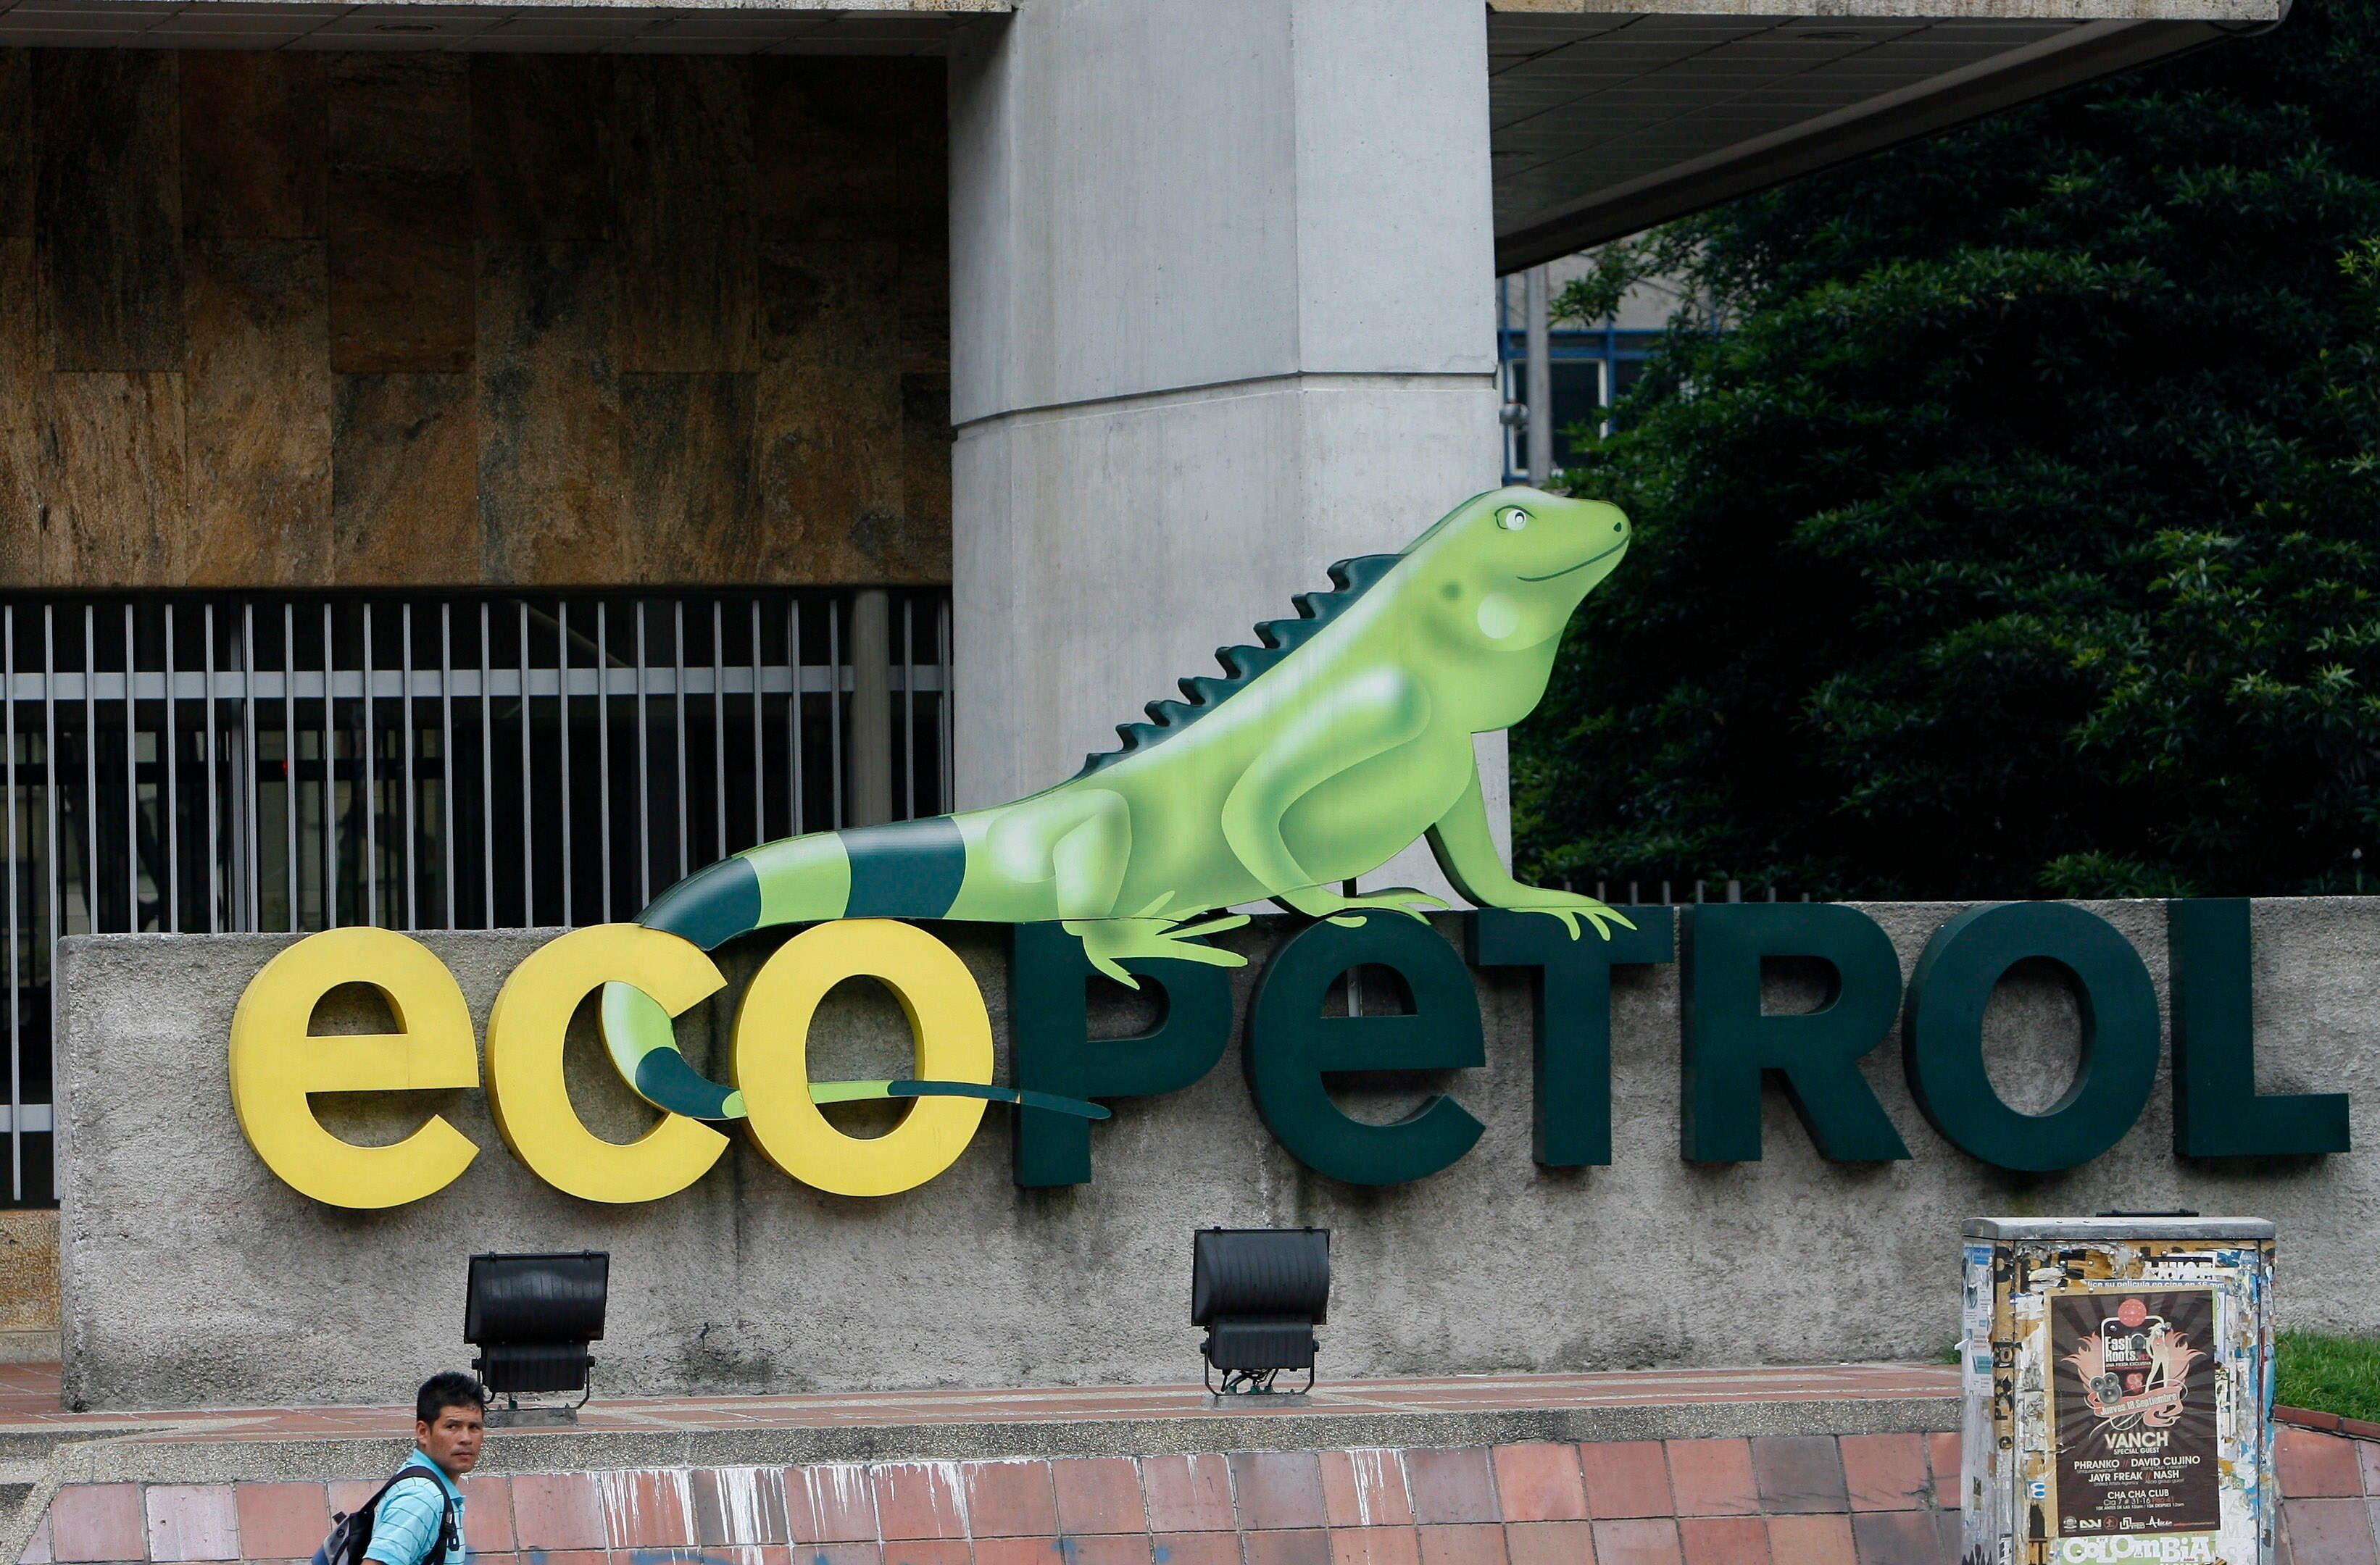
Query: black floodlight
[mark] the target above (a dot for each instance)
(532, 1318)
(1259, 1292)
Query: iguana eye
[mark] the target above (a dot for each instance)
(1511, 518)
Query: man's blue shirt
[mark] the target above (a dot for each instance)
(404, 1529)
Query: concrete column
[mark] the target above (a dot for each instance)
(1220, 313)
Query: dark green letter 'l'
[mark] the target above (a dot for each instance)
(1942, 1039)
(1572, 1100)
(1291, 1044)
(2216, 1111)
(1728, 1040)
(1053, 1051)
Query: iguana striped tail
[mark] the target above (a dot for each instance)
(908, 869)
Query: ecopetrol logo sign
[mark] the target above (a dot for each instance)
(1315, 759)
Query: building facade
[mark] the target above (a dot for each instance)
(461, 467)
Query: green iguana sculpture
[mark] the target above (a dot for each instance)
(1322, 754)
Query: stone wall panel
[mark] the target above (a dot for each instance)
(259, 394)
(403, 479)
(551, 502)
(107, 208)
(254, 145)
(416, 318)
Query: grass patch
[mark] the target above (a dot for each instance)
(2339, 1375)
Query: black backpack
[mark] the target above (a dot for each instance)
(351, 1532)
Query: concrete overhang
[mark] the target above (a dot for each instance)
(1607, 119)
(673, 27)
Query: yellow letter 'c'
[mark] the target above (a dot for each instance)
(275, 1062)
(947, 1019)
(525, 1084)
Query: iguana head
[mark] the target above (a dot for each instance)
(1504, 570)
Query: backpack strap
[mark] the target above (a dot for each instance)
(448, 1538)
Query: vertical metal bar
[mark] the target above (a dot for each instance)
(446, 750)
(868, 739)
(794, 702)
(50, 776)
(603, 740)
(16, 1005)
(49, 952)
(909, 706)
(488, 776)
(718, 720)
(170, 755)
(371, 792)
(834, 702)
(289, 747)
(943, 661)
(255, 846)
(131, 785)
(644, 780)
(1540, 379)
(677, 682)
(215, 800)
(528, 859)
(330, 772)
(407, 743)
(759, 772)
(90, 768)
(562, 688)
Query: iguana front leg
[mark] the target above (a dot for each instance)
(1086, 838)
(1466, 851)
(1369, 718)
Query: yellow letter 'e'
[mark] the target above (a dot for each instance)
(953, 1034)
(275, 1062)
(525, 1085)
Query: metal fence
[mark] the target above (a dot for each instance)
(287, 763)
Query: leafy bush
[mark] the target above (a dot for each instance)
(2020, 533)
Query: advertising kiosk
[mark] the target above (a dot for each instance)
(2118, 1374)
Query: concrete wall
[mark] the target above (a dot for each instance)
(354, 320)
(193, 1277)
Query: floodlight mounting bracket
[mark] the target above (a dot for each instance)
(1239, 1383)
(536, 1416)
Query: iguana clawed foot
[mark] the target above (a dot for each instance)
(1110, 942)
(1570, 908)
(1316, 903)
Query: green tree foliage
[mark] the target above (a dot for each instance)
(2020, 533)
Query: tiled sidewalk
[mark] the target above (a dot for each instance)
(1859, 1500)
(2332, 1486)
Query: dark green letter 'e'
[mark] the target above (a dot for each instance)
(1729, 1041)
(1572, 1100)
(1942, 1039)
(1291, 1044)
(2216, 1113)
(1053, 1051)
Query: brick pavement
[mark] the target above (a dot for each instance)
(1795, 1499)
(1873, 1499)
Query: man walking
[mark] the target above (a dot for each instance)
(420, 1517)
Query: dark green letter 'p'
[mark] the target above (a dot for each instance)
(1942, 1039)
(1571, 1115)
(1730, 1041)
(1053, 1051)
(1291, 1044)
(2216, 1110)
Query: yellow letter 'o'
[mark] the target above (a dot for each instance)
(953, 1034)
(525, 1085)
(275, 1062)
